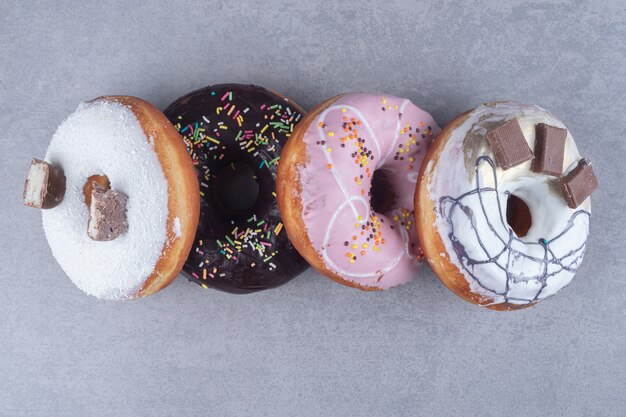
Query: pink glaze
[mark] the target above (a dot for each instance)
(370, 249)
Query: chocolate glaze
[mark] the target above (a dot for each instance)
(238, 248)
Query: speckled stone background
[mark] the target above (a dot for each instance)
(312, 347)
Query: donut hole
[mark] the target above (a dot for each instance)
(518, 215)
(236, 189)
(102, 180)
(381, 194)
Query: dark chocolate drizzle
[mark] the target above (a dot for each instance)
(569, 262)
(225, 126)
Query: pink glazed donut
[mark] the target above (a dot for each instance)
(346, 182)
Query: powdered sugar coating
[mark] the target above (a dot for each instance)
(104, 137)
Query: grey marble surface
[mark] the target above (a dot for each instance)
(312, 347)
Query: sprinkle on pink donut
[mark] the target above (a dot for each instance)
(355, 136)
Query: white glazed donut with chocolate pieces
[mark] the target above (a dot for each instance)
(127, 218)
(502, 207)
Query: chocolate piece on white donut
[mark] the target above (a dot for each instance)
(508, 144)
(107, 214)
(549, 149)
(45, 185)
(579, 183)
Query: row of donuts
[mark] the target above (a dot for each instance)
(241, 190)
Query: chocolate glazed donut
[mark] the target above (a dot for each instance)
(234, 134)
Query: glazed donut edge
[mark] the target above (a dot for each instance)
(234, 134)
(431, 242)
(183, 192)
(288, 191)
(462, 221)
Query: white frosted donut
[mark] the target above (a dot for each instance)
(132, 143)
(461, 211)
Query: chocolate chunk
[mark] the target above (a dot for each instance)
(578, 184)
(107, 214)
(45, 185)
(509, 145)
(549, 149)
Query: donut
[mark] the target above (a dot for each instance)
(235, 134)
(345, 188)
(502, 205)
(125, 221)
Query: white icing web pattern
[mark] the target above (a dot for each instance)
(523, 267)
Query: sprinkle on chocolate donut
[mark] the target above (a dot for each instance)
(234, 134)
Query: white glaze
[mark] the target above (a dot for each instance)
(105, 138)
(519, 279)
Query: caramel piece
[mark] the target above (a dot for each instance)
(102, 180)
